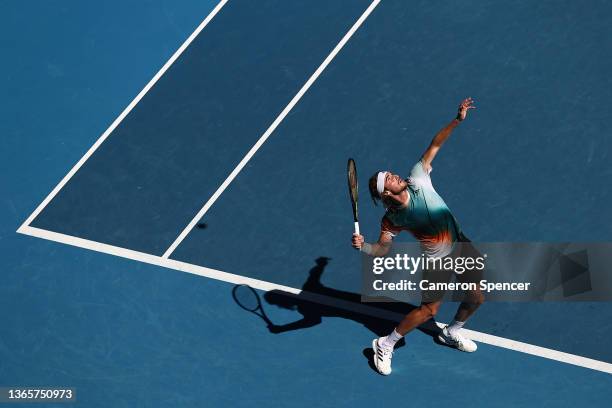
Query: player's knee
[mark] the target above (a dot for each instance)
(430, 309)
(479, 298)
(475, 299)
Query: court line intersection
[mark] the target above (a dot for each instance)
(125, 112)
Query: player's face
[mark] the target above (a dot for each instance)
(394, 183)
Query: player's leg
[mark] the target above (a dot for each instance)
(451, 334)
(471, 301)
(383, 347)
(412, 320)
(417, 317)
(474, 298)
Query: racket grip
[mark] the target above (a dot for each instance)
(357, 228)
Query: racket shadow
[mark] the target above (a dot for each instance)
(313, 313)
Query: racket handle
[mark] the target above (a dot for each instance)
(357, 228)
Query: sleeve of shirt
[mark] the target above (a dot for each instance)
(386, 226)
(419, 175)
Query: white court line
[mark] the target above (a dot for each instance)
(271, 129)
(267, 286)
(125, 112)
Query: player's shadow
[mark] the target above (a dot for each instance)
(313, 312)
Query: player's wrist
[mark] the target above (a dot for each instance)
(367, 249)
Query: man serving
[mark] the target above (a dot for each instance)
(413, 205)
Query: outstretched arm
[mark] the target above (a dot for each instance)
(443, 134)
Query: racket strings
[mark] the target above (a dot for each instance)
(247, 298)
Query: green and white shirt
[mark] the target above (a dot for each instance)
(427, 217)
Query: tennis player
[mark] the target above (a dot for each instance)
(413, 205)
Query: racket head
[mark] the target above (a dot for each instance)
(353, 187)
(246, 297)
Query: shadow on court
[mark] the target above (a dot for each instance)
(313, 312)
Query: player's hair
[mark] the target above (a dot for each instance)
(373, 190)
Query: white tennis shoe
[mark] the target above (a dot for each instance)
(382, 358)
(457, 340)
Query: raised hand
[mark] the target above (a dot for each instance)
(465, 106)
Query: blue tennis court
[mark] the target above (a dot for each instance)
(225, 129)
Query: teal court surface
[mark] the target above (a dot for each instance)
(225, 128)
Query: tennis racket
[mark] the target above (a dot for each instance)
(247, 298)
(352, 186)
